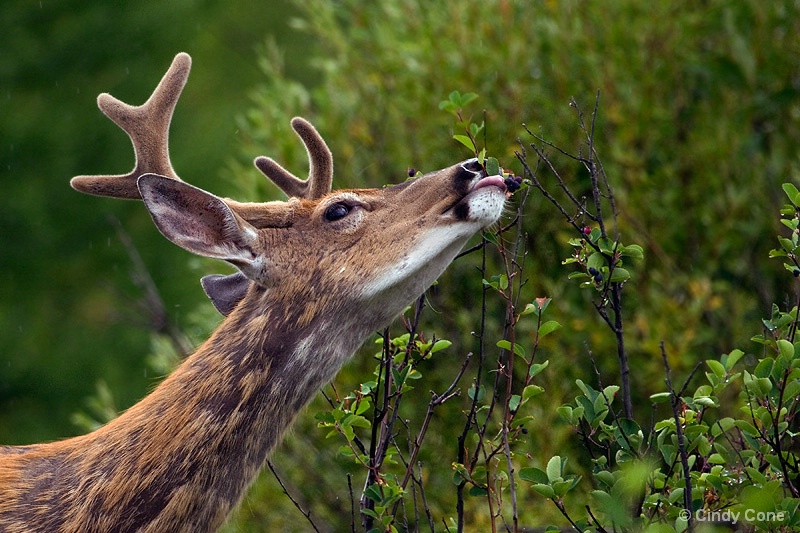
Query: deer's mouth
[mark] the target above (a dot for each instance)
(484, 201)
(490, 181)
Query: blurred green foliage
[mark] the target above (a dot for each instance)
(69, 312)
(698, 126)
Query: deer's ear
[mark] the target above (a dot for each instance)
(198, 221)
(225, 292)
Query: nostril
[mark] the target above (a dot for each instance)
(472, 164)
(470, 169)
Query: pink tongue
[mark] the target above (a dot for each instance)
(496, 181)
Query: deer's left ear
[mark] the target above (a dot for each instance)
(199, 222)
(225, 292)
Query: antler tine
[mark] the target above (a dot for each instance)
(320, 174)
(148, 127)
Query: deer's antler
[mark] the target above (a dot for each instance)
(148, 127)
(320, 174)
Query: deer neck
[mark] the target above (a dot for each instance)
(238, 394)
(181, 459)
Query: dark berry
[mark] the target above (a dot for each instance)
(796, 272)
(598, 278)
(412, 172)
(513, 183)
(593, 271)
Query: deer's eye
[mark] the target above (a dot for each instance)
(336, 211)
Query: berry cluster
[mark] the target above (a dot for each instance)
(598, 277)
(513, 182)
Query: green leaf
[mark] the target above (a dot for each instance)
(606, 478)
(467, 98)
(786, 244)
(474, 129)
(492, 166)
(606, 245)
(355, 420)
(567, 413)
(764, 385)
(792, 192)
(792, 389)
(722, 425)
(705, 401)
(764, 368)
(460, 474)
(373, 492)
(466, 141)
(786, 349)
(548, 327)
(633, 251)
(503, 282)
(747, 428)
(367, 387)
(545, 490)
(791, 223)
(562, 487)
(554, 468)
(660, 397)
(371, 513)
(448, 106)
(325, 418)
(440, 345)
(471, 393)
(587, 390)
(537, 368)
(579, 275)
(676, 495)
(534, 475)
(610, 392)
(604, 499)
(530, 391)
(506, 345)
(596, 260)
(618, 275)
(730, 359)
(716, 367)
(513, 402)
(363, 406)
(478, 491)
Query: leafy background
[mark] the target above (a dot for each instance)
(698, 127)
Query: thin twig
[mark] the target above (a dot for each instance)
(153, 303)
(687, 476)
(352, 503)
(305, 513)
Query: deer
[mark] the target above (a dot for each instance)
(316, 275)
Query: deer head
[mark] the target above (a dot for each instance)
(383, 246)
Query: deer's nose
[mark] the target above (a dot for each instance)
(470, 170)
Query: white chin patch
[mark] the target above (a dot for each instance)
(415, 271)
(486, 205)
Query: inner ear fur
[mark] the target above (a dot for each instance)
(198, 221)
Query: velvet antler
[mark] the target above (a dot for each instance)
(320, 174)
(147, 126)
